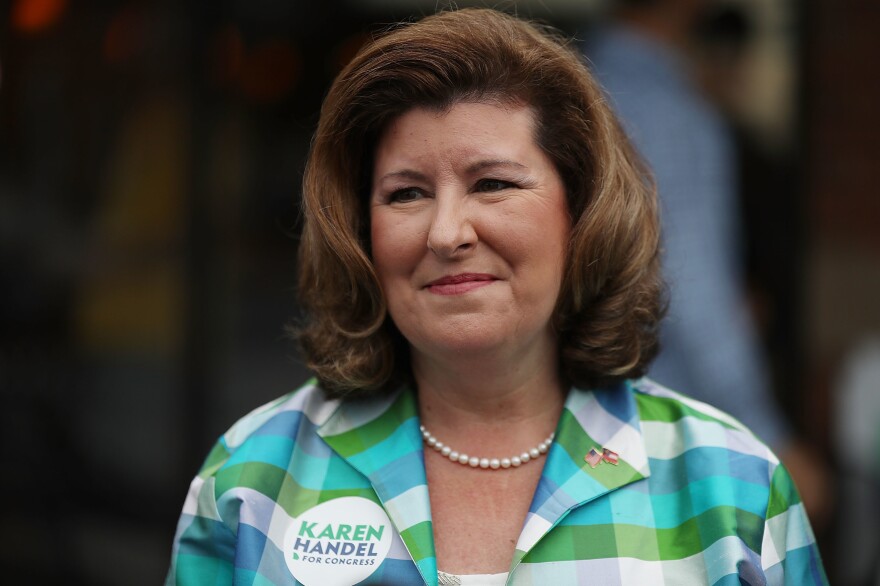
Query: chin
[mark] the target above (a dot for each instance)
(457, 342)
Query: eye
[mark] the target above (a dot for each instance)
(493, 185)
(405, 195)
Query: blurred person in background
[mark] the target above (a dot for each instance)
(480, 266)
(710, 347)
(857, 446)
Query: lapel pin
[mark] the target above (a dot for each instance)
(594, 457)
(610, 457)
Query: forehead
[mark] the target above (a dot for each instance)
(464, 130)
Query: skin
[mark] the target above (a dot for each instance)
(469, 226)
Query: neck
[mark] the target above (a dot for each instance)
(486, 399)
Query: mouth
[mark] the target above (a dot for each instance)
(459, 284)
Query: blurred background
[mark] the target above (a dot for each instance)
(150, 161)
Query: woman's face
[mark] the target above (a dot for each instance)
(469, 228)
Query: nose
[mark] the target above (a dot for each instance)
(452, 231)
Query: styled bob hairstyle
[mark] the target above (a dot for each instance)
(610, 300)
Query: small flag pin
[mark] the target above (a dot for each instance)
(595, 457)
(610, 457)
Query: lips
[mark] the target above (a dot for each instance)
(459, 284)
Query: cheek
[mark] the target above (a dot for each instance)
(541, 250)
(540, 244)
(396, 242)
(378, 242)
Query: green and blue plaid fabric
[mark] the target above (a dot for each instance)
(694, 498)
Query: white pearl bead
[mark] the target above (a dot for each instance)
(484, 463)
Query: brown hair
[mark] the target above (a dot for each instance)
(610, 301)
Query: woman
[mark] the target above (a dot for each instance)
(480, 271)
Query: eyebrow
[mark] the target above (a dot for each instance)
(473, 168)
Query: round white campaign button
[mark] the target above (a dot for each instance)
(338, 543)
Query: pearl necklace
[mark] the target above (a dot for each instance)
(492, 463)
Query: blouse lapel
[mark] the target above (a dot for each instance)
(604, 421)
(380, 438)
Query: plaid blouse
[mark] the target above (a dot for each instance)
(307, 490)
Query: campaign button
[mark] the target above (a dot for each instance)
(338, 543)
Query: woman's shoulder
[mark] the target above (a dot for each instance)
(698, 449)
(717, 472)
(276, 421)
(675, 423)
